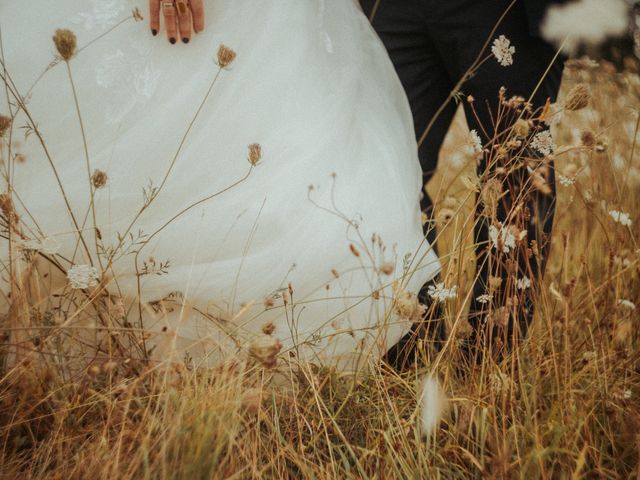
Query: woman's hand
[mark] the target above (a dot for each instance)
(179, 17)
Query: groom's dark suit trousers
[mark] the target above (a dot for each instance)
(432, 43)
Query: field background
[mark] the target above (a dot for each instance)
(565, 405)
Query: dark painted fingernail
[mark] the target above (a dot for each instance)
(172, 40)
(185, 40)
(154, 32)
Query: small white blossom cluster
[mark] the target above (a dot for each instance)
(83, 276)
(627, 304)
(503, 51)
(501, 234)
(49, 246)
(441, 294)
(543, 143)
(484, 298)
(566, 181)
(621, 217)
(523, 283)
(475, 142)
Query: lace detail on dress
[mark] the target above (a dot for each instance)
(131, 76)
(104, 14)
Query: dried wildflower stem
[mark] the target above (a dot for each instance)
(176, 216)
(6, 78)
(171, 165)
(476, 64)
(92, 207)
(57, 60)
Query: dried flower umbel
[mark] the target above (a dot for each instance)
(66, 43)
(99, 179)
(578, 98)
(265, 349)
(5, 123)
(225, 56)
(588, 138)
(255, 153)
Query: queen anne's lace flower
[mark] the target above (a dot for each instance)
(503, 51)
(500, 234)
(49, 246)
(523, 283)
(441, 294)
(484, 298)
(621, 217)
(543, 143)
(566, 181)
(83, 276)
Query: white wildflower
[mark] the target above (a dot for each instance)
(621, 217)
(503, 51)
(627, 304)
(543, 143)
(433, 403)
(627, 394)
(523, 283)
(49, 246)
(484, 298)
(441, 294)
(83, 276)
(566, 181)
(501, 235)
(584, 21)
(475, 141)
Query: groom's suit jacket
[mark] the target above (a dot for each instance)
(536, 10)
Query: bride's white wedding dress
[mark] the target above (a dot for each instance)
(331, 208)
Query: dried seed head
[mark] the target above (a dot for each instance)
(521, 128)
(225, 56)
(99, 178)
(66, 43)
(255, 153)
(490, 194)
(387, 268)
(5, 123)
(265, 349)
(578, 98)
(588, 138)
(268, 328)
(354, 250)
(406, 303)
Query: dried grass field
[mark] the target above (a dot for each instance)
(565, 404)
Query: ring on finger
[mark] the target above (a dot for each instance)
(167, 4)
(182, 7)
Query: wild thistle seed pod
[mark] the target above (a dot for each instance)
(66, 43)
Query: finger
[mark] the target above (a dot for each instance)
(184, 20)
(197, 9)
(154, 15)
(170, 20)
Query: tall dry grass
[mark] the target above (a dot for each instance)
(562, 405)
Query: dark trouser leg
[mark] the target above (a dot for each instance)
(460, 27)
(402, 27)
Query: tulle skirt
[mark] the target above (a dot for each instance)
(278, 194)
